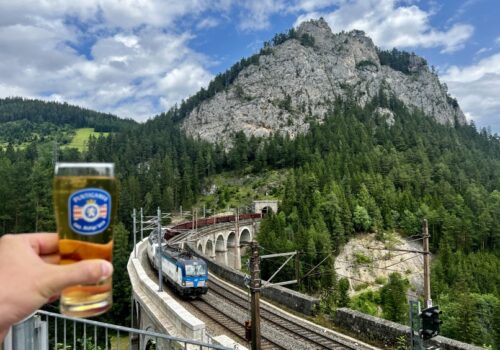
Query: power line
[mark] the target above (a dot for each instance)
(322, 261)
(351, 278)
(378, 259)
(383, 268)
(416, 239)
(399, 262)
(370, 265)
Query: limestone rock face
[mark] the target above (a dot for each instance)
(295, 83)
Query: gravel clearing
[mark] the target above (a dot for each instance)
(367, 263)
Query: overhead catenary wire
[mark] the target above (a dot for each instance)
(414, 240)
(367, 265)
(384, 268)
(322, 261)
(399, 262)
(370, 265)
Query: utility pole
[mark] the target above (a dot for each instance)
(427, 272)
(255, 284)
(135, 233)
(236, 256)
(196, 220)
(297, 268)
(142, 229)
(192, 218)
(425, 252)
(237, 222)
(160, 279)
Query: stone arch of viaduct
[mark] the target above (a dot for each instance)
(226, 245)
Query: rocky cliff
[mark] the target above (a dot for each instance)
(297, 79)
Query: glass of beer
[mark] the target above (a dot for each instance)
(85, 206)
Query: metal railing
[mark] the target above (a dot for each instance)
(47, 330)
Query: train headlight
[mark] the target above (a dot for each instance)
(183, 283)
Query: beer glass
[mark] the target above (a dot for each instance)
(85, 206)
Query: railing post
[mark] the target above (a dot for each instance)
(33, 333)
(160, 279)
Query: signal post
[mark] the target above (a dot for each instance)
(255, 284)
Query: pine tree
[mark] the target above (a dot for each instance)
(393, 298)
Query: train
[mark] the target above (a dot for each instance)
(188, 225)
(186, 273)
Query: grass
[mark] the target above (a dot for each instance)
(360, 258)
(81, 138)
(123, 342)
(3, 145)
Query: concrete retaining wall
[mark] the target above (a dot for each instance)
(388, 332)
(293, 300)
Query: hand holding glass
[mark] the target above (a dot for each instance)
(85, 206)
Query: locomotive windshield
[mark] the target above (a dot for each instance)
(195, 270)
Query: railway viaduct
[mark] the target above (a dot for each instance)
(220, 239)
(223, 239)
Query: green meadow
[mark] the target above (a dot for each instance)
(81, 138)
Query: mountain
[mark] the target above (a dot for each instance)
(296, 77)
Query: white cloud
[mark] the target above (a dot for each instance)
(497, 40)
(489, 65)
(255, 15)
(462, 9)
(313, 5)
(483, 50)
(126, 49)
(391, 25)
(208, 22)
(189, 77)
(476, 86)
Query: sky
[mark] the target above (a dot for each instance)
(138, 58)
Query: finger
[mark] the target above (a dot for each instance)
(43, 243)
(51, 258)
(53, 298)
(3, 333)
(58, 277)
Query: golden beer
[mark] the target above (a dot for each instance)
(85, 202)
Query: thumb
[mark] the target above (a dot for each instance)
(59, 277)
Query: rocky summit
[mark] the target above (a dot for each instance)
(297, 77)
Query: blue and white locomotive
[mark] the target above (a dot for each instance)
(188, 274)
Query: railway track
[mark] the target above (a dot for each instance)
(206, 308)
(314, 339)
(287, 332)
(229, 323)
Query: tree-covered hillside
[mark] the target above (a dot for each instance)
(23, 121)
(12, 109)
